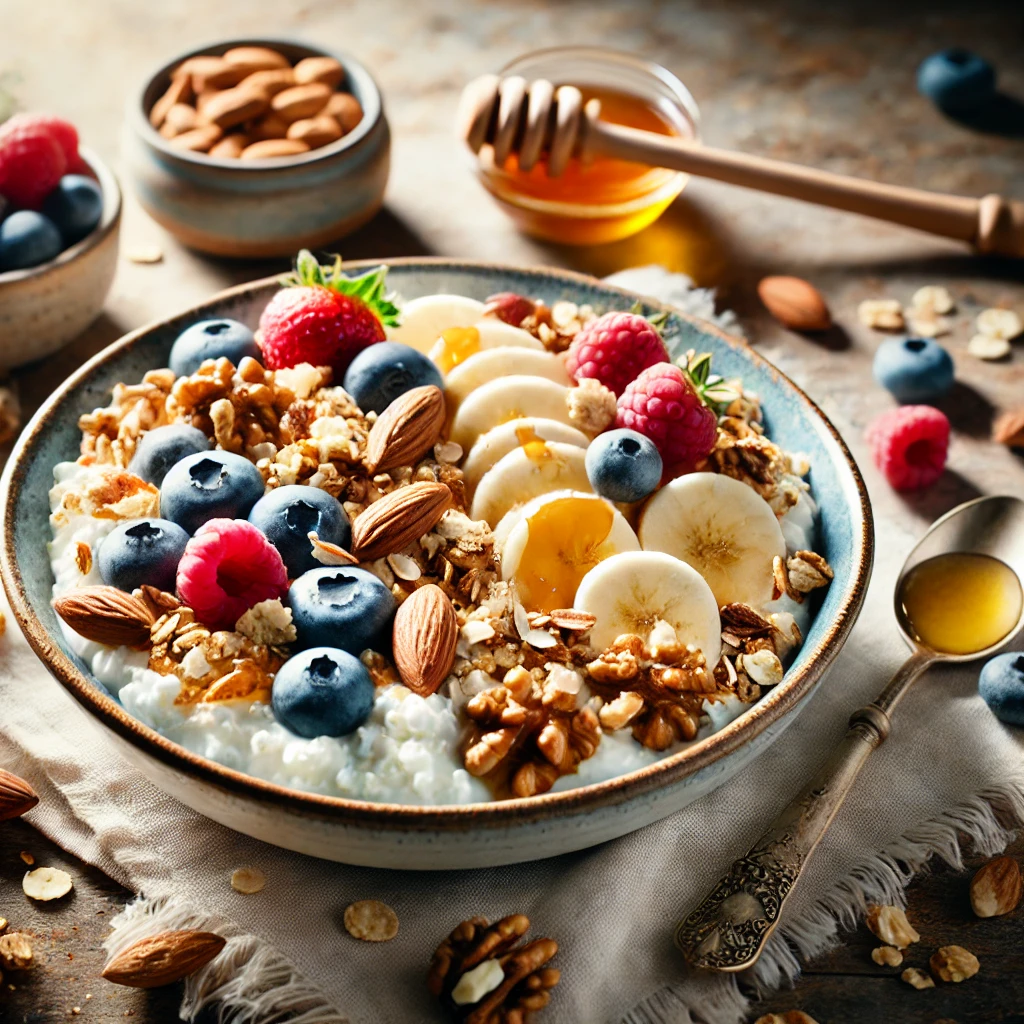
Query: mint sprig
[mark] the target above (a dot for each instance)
(368, 288)
(715, 391)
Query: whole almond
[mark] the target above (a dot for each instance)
(210, 72)
(270, 82)
(256, 58)
(423, 639)
(106, 615)
(996, 888)
(511, 307)
(326, 70)
(407, 428)
(179, 91)
(300, 101)
(1008, 429)
(270, 148)
(163, 959)
(180, 118)
(231, 146)
(795, 303)
(345, 109)
(315, 131)
(269, 126)
(397, 519)
(16, 796)
(233, 106)
(199, 140)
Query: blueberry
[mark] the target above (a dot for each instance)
(1001, 686)
(211, 339)
(287, 514)
(956, 79)
(209, 485)
(623, 465)
(341, 607)
(75, 206)
(914, 369)
(382, 372)
(161, 447)
(142, 551)
(322, 692)
(27, 239)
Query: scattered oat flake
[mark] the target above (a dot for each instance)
(881, 314)
(248, 880)
(999, 323)
(985, 346)
(404, 567)
(371, 921)
(448, 451)
(145, 254)
(27, 857)
(47, 884)
(327, 553)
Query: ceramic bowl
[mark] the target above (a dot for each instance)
(43, 308)
(398, 836)
(260, 208)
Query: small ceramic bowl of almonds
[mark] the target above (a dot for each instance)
(256, 147)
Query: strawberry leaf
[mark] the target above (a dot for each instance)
(368, 287)
(715, 392)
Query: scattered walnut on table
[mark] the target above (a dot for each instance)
(887, 956)
(890, 924)
(917, 978)
(954, 964)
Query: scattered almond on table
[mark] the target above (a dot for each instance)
(795, 303)
(1008, 429)
(163, 959)
(996, 888)
(16, 796)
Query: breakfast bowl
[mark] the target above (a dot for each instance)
(258, 207)
(390, 832)
(44, 307)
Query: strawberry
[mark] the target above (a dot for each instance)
(323, 317)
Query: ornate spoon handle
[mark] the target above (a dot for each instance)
(727, 932)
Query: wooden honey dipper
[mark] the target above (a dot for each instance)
(536, 118)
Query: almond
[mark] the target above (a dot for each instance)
(1009, 429)
(256, 58)
(210, 72)
(180, 118)
(231, 146)
(106, 615)
(406, 429)
(233, 106)
(163, 959)
(270, 148)
(795, 303)
(270, 83)
(301, 101)
(996, 888)
(179, 91)
(315, 131)
(325, 70)
(16, 796)
(269, 126)
(424, 638)
(345, 109)
(397, 519)
(199, 140)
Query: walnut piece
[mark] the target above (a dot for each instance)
(890, 924)
(808, 571)
(881, 314)
(591, 406)
(954, 964)
(887, 956)
(16, 951)
(917, 978)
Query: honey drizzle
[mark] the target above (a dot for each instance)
(535, 447)
(458, 344)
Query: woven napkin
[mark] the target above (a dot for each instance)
(947, 766)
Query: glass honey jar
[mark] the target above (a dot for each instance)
(600, 200)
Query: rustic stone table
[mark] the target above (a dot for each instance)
(796, 79)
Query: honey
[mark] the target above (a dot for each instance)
(535, 448)
(457, 345)
(960, 602)
(568, 537)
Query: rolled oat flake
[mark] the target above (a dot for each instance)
(371, 921)
(46, 884)
(248, 880)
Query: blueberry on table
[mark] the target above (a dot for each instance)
(161, 447)
(210, 485)
(342, 607)
(28, 239)
(322, 692)
(913, 369)
(956, 79)
(142, 551)
(75, 206)
(1001, 686)
(211, 339)
(287, 515)
(623, 465)
(383, 372)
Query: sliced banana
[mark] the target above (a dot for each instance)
(721, 527)
(505, 361)
(508, 398)
(455, 346)
(502, 439)
(632, 591)
(516, 515)
(422, 320)
(560, 539)
(538, 467)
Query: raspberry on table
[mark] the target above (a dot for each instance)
(228, 566)
(663, 404)
(909, 445)
(31, 165)
(614, 349)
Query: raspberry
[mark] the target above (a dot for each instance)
(909, 445)
(31, 164)
(228, 566)
(614, 348)
(663, 404)
(62, 132)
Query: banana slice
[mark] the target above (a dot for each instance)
(455, 345)
(508, 398)
(537, 467)
(505, 361)
(632, 591)
(516, 515)
(721, 527)
(502, 439)
(422, 320)
(557, 543)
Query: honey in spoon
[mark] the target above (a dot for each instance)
(960, 602)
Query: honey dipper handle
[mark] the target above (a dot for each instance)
(991, 224)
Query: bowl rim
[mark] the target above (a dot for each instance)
(781, 700)
(108, 220)
(354, 68)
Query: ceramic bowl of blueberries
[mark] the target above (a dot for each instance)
(359, 831)
(57, 263)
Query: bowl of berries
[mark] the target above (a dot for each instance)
(60, 213)
(440, 565)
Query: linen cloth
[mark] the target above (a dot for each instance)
(948, 764)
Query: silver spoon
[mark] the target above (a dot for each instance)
(728, 931)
